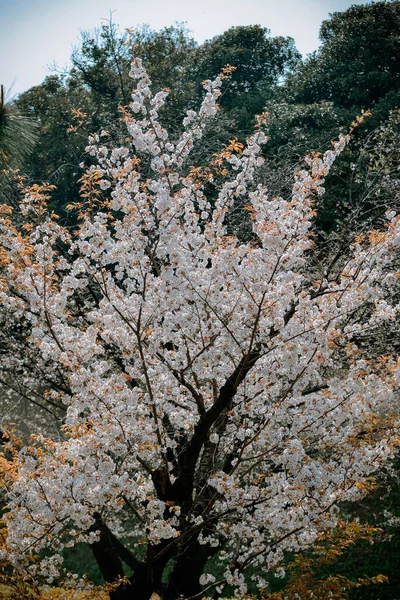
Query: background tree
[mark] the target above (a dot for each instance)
(102, 62)
(261, 62)
(356, 65)
(59, 151)
(355, 69)
(96, 86)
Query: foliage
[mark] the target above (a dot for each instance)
(377, 170)
(306, 572)
(261, 62)
(292, 130)
(365, 180)
(356, 65)
(100, 63)
(355, 68)
(379, 509)
(103, 58)
(60, 149)
(68, 106)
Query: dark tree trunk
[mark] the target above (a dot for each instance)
(140, 587)
(108, 552)
(105, 554)
(147, 575)
(189, 566)
(182, 488)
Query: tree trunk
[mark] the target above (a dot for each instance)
(189, 566)
(105, 554)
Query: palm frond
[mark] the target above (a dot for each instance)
(18, 133)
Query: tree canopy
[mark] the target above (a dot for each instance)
(220, 395)
(357, 64)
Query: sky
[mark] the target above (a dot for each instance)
(36, 34)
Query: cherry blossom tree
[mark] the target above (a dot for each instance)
(219, 396)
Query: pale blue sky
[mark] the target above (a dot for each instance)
(36, 33)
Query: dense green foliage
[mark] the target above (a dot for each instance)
(357, 64)
(58, 153)
(261, 63)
